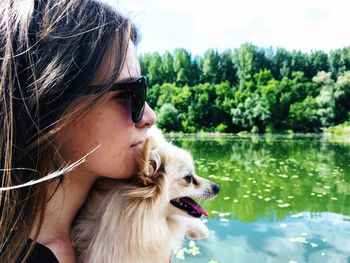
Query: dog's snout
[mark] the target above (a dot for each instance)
(215, 188)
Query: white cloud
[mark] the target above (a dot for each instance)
(201, 24)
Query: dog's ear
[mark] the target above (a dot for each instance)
(149, 162)
(154, 162)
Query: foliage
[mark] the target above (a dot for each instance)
(249, 89)
(326, 99)
(252, 114)
(343, 128)
(303, 116)
(168, 118)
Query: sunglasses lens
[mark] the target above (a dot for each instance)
(139, 99)
(134, 91)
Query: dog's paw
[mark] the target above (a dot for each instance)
(197, 231)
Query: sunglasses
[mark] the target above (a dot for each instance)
(136, 91)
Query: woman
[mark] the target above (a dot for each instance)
(70, 87)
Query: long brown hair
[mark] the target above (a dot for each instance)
(49, 53)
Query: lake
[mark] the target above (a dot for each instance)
(283, 198)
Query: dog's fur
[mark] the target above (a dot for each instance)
(132, 221)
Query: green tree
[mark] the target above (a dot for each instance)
(289, 91)
(153, 95)
(168, 118)
(342, 97)
(326, 99)
(228, 68)
(182, 66)
(196, 71)
(168, 68)
(267, 90)
(211, 71)
(205, 110)
(281, 64)
(318, 61)
(300, 62)
(339, 61)
(145, 61)
(244, 59)
(303, 116)
(201, 112)
(224, 102)
(182, 99)
(251, 88)
(249, 60)
(252, 115)
(155, 69)
(166, 92)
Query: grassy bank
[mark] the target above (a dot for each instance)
(341, 129)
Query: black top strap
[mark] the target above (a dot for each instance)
(40, 254)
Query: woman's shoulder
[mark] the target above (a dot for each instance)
(39, 254)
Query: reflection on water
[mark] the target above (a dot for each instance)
(282, 199)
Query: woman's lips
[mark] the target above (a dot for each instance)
(139, 143)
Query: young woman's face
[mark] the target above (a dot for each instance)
(108, 124)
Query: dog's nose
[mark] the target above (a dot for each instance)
(215, 188)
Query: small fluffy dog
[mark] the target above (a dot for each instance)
(144, 219)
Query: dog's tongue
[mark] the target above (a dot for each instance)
(195, 206)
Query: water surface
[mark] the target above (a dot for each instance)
(282, 199)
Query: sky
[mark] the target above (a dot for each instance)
(197, 25)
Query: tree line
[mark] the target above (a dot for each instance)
(249, 89)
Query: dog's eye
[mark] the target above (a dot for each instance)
(189, 178)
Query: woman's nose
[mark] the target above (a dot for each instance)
(149, 117)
